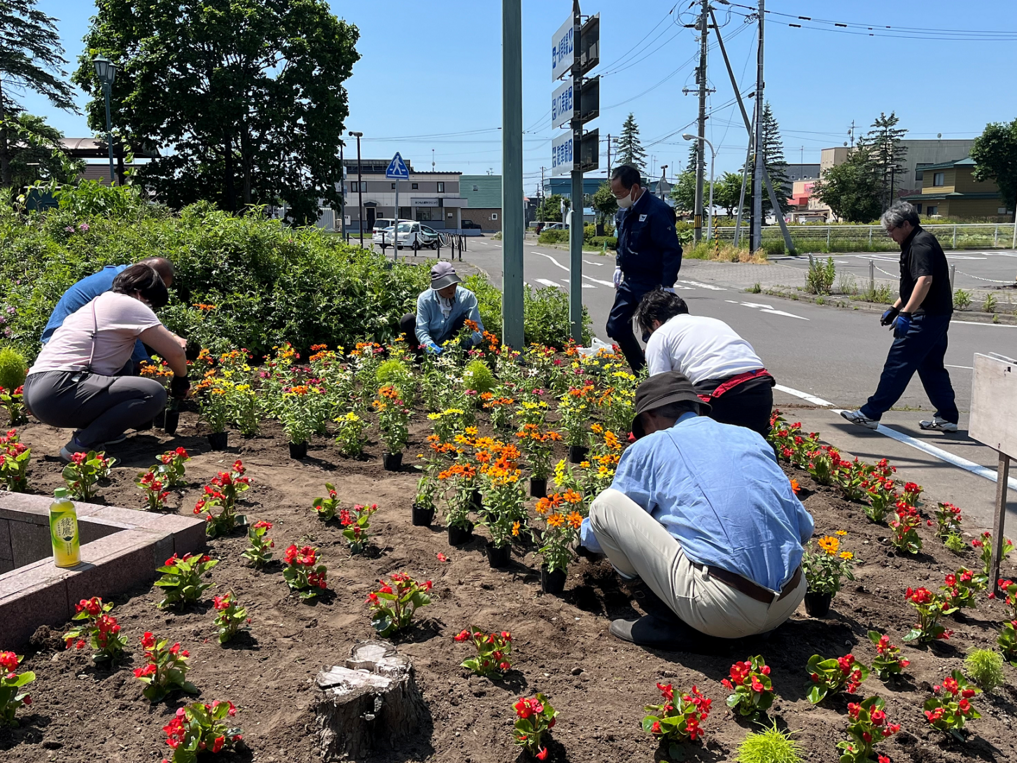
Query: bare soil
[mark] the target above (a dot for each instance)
(562, 646)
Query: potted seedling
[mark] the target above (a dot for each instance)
(824, 571)
(423, 503)
(561, 531)
(394, 420)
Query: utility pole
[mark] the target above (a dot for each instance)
(609, 157)
(360, 191)
(540, 209)
(577, 224)
(700, 147)
(342, 192)
(756, 236)
(512, 172)
(851, 133)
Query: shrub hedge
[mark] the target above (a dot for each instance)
(240, 281)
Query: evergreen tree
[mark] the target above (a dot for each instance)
(693, 155)
(776, 165)
(31, 58)
(883, 143)
(630, 150)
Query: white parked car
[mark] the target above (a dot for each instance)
(409, 235)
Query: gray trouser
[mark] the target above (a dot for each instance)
(100, 407)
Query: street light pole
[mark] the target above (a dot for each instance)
(106, 70)
(713, 161)
(360, 190)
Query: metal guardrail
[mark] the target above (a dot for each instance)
(844, 238)
(454, 242)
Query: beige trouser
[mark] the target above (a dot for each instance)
(638, 545)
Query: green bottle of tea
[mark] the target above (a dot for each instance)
(63, 530)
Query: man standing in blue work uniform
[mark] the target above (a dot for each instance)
(649, 256)
(90, 287)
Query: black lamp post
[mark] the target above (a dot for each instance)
(106, 71)
(360, 189)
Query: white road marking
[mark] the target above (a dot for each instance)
(557, 264)
(942, 455)
(803, 395)
(787, 315)
(597, 280)
(966, 368)
(598, 264)
(979, 323)
(709, 286)
(768, 309)
(546, 282)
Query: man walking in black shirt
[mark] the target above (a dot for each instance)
(920, 319)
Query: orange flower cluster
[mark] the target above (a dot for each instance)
(532, 432)
(204, 308)
(153, 370)
(471, 325)
(466, 471)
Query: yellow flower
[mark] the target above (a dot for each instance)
(842, 532)
(847, 555)
(829, 544)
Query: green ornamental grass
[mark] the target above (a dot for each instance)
(12, 368)
(771, 745)
(985, 666)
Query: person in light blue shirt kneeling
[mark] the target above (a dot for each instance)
(704, 515)
(442, 311)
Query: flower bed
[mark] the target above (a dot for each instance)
(560, 647)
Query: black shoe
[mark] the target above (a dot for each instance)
(650, 631)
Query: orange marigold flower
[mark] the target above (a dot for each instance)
(555, 520)
(575, 520)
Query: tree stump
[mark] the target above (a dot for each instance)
(370, 703)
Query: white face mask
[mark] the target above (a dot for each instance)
(627, 201)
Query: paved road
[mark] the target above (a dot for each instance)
(834, 355)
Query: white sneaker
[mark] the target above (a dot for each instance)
(857, 417)
(938, 425)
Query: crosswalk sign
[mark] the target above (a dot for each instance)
(397, 169)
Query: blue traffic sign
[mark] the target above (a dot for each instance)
(397, 169)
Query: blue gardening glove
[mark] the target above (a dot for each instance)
(434, 349)
(668, 289)
(888, 316)
(617, 277)
(902, 325)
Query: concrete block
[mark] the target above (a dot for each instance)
(22, 613)
(6, 565)
(89, 531)
(6, 553)
(29, 542)
(112, 565)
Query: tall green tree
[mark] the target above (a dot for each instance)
(887, 153)
(31, 58)
(549, 210)
(630, 150)
(776, 165)
(37, 153)
(851, 189)
(245, 98)
(604, 203)
(727, 192)
(995, 155)
(683, 192)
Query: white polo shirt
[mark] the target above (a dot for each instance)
(701, 348)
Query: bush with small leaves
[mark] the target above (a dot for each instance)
(771, 745)
(985, 666)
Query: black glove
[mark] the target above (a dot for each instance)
(889, 316)
(180, 386)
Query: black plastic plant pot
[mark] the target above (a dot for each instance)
(538, 487)
(171, 422)
(552, 582)
(423, 516)
(298, 450)
(817, 604)
(477, 502)
(393, 461)
(577, 454)
(218, 440)
(498, 557)
(457, 536)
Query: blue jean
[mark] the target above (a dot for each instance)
(923, 349)
(619, 323)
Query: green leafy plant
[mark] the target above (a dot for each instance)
(984, 546)
(948, 521)
(955, 542)
(494, 651)
(350, 434)
(985, 666)
(182, 579)
(951, 708)
(867, 727)
(821, 276)
(832, 676)
(259, 552)
(771, 745)
(172, 465)
(303, 573)
(100, 629)
(393, 419)
(13, 401)
(83, 473)
(230, 617)
(356, 523)
(200, 728)
(300, 412)
(151, 485)
(13, 368)
(166, 668)
(392, 608)
(222, 492)
(882, 495)
(750, 686)
(930, 608)
(534, 718)
(961, 299)
(15, 457)
(826, 569)
(888, 662)
(960, 588)
(478, 377)
(677, 720)
(326, 507)
(904, 529)
(989, 305)
(1007, 641)
(562, 520)
(12, 698)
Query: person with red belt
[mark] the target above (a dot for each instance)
(724, 369)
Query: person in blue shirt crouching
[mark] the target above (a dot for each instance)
(442, 311)
(703, 514)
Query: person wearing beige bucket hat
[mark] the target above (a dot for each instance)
(702, 513)
(442, 311)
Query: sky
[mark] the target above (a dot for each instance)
(428, 83)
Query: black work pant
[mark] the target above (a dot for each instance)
(619, 323)
(747, 405)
